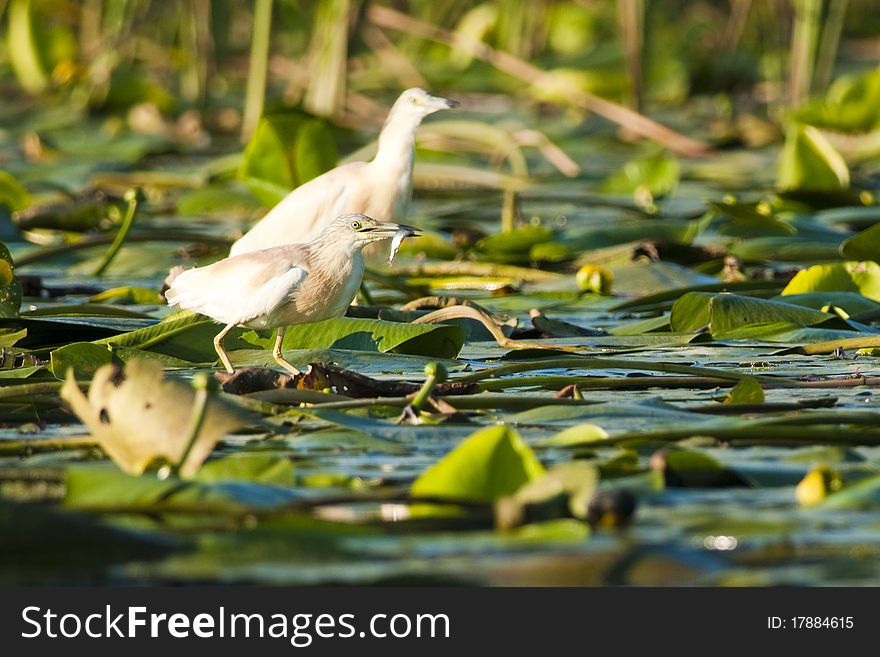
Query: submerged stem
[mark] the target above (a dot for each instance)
(204, 386)
(131, 197)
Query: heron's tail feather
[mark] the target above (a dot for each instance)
(184, 287)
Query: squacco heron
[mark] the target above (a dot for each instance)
(380, 188)
(284, 285)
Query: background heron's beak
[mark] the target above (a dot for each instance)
(438, 103)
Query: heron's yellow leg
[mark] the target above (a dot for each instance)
(276, 354)
(218, 347)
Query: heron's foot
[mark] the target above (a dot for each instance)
(218, 347)
(290, 368)
(276, 353)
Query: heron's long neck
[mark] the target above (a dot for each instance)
(338, 258)
(397, 149)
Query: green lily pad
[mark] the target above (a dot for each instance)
(13, 194)
(861, 277)
(809, 162)
(732, 316)
(863, 246)
(285, 151)
(746, 391)
(437, 340)
(10, 287)
(488, 465)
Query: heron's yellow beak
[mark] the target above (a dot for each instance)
(387, 229)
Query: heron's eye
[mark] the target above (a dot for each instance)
(414, 100)
(355, 225)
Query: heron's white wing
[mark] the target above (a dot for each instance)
(302, 214)
(240, 288)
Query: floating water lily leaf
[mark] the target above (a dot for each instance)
(137, 417)
(518, 241)
(809, 162)
(262, 468)
(437, 340)
(657, 174)
(786, 249)
(551, 252)
(863, 246)
(99, 488)
(87, 357)
(489, 464)
(746, 391)
(184, 335)
(81, 357)
(852, 303)
(13, 194)
(285, 151)
(861, 277)
(732, 316)
(580, 434)
(10, 287)
(188, 336)
(129, 294)
(685, 468)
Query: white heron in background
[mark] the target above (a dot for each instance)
(284, 285)
(380, 188)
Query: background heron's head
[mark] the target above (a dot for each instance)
(358, 230)
(418, 103)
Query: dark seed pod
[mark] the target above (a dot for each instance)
(611, 508)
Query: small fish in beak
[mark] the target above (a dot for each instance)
(403, 231)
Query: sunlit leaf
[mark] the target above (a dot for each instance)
(517, 241)
(808, 162)
(13, 194)
(580, 434)
(491, 463)
(746, 391)
(10, 286)
(849, 106)
(656, 174)
(26, 55)
(861, 277)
